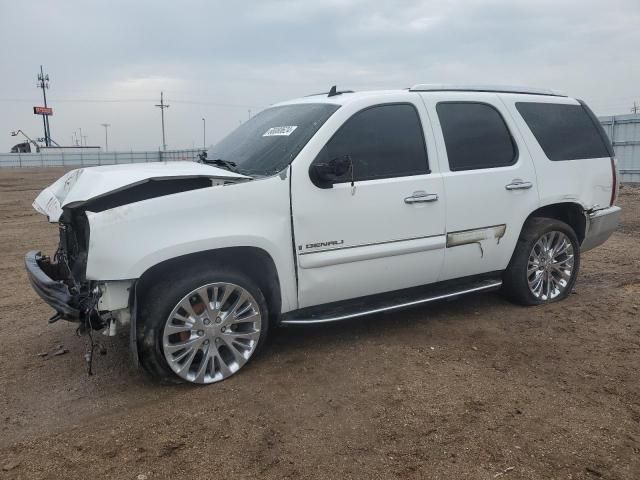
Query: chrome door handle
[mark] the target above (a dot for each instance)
(518, 184)
(421, 197)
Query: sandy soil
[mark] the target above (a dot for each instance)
(477, 388)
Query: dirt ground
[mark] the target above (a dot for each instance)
(477, 388)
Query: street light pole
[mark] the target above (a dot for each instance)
(204, 133)
(106, 137)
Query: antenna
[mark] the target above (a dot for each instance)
(333, 92)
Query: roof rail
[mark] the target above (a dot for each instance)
(439, 87)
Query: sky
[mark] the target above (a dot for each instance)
(226, 60)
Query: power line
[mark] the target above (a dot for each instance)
(135, 100)
(162, 106)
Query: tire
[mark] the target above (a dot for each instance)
(531, 268)
(183, 338)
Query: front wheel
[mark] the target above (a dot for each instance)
(202, 327)
(545, 263)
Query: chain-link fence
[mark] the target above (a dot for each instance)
(90, 159)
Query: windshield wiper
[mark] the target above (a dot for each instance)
(219, 162)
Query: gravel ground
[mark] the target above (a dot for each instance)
(477, 388)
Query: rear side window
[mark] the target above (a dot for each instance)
(565, 132)
(476, 136)
(384, 141)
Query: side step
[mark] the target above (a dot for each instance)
(386, 302)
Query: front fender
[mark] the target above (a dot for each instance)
(128, 240)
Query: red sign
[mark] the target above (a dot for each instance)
(43, 110)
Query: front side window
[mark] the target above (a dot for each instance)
(565, 132)
(268, 142)
(384, 141)
(476, 136)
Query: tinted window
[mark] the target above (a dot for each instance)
(475, 135)
(268, 142)
(384, 141)
(565, 132)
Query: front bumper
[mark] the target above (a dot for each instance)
(52, 290)
(600, 225)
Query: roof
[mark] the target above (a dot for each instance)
(348, 96)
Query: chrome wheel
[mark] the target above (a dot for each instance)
(550, 265)
(212, 332)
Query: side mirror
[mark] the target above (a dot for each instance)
(324, 175)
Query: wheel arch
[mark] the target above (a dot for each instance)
(254, 262)
(568, 212)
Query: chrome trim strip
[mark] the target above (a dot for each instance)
(475, 235)
(307, 252)
(490, 286)
(339, 256)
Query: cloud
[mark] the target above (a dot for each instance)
(219, 59)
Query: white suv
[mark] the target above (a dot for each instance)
(326, 208)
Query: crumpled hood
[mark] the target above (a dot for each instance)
(84, 184)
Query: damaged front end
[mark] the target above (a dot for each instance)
(60, 281)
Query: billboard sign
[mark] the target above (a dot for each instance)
(43, 111)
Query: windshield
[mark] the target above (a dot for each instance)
(268, 142)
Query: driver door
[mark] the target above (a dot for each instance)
(382, 226)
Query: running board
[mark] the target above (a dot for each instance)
(386, 302)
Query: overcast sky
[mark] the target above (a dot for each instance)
(109, 60)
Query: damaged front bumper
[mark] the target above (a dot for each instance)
(51, 284)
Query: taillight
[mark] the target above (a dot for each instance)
(614, 176)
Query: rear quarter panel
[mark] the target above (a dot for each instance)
(588, 182)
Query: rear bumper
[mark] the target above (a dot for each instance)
(53, 291)
(600, 225)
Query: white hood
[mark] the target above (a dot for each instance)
(79, 186)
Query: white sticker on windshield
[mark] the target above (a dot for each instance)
(280, 131)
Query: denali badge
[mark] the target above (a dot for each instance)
(330, 243)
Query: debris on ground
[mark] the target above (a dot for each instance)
(7, 467)
(506, 470)
(56, 352)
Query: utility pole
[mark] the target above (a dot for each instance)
(162, 106)
(81, 136)
(106, 137)
(635, 108)
(204, 133)
(43, 83)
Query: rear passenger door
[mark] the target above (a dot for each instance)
(489, 180)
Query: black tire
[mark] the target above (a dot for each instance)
(162, 295)
(515, 284)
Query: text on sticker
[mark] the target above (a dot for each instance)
(280, 131)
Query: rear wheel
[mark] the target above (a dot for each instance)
(203, 327)
(545, 263)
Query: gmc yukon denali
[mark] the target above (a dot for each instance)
(326, 208)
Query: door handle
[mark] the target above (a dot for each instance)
(421, 197)
(518, 184)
